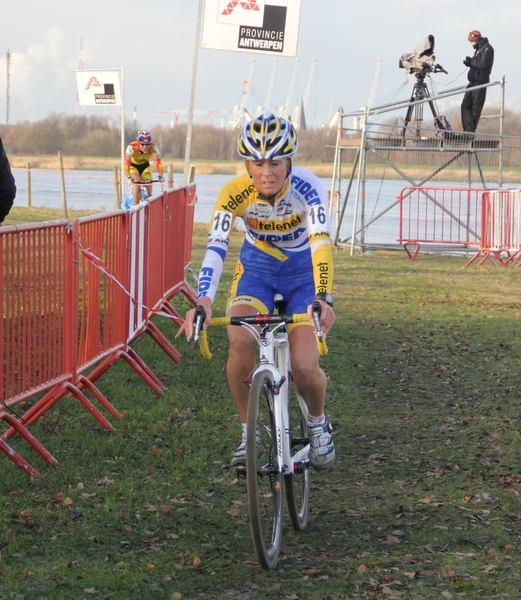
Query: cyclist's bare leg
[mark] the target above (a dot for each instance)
(136, 188)
(148, 190)
(241, 360)
(310, 379)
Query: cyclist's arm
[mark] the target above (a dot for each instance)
(128, 159)
(157, 160)
(208, 282)
(188, 324)
(219, 232)
(211, 268)
(321, 255)
(322, 260)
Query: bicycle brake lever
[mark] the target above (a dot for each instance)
(200, 316)
(317, 311)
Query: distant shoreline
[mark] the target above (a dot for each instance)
(99, 163)
(232, 168)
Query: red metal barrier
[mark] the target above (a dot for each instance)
(500, 228)
(36, 299)
(75, 296)
(439, 215)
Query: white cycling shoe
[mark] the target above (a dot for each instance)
(322, 452)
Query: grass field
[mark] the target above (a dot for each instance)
(423, 500)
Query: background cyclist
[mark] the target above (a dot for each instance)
(137, 163)
(286, 249)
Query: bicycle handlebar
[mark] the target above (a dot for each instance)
(145, 181)
(199, 334)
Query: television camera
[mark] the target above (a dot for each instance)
(422, 60)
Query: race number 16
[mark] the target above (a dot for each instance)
(222, 222)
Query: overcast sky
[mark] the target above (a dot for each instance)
(154, 42)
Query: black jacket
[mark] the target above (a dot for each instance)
(481, 63)
(7, 185)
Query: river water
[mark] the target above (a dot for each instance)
(95, 190)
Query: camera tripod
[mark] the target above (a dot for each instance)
(419, 92)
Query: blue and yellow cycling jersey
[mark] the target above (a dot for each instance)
(288, 240)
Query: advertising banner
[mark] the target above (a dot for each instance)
(261, 26)
(98, 88)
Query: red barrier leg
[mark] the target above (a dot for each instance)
(136, 362)
(415, 252)
(187, 290)
(175, 316)
(29, 438)
(51, 398)
(86, 382)
(89, 406)
(473, 258)
(39, 408)
(17, 459)
(163, 342)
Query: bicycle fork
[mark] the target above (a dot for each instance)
(287, 463)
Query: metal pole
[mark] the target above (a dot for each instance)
(116, 187)
(361, 174)
(336, 161)
(62, 179)
(349, 185)
(28, 173)
(192, 94)
(122, 136)
(501, 131)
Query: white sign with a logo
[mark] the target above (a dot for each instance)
(98, 88)
(262, 26)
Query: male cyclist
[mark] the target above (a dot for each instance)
(287, 250)
(137, 163)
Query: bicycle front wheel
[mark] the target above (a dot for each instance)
(298, 483)
(263, 476)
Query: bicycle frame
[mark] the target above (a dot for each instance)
(144, 188)
(273, 352)
(274, 355)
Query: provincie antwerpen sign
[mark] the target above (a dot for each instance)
(263, 26)
(98, 87)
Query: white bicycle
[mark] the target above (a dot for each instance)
(278, 415)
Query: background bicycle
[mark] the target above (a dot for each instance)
(146, 192)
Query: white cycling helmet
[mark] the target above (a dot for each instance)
(267, 137)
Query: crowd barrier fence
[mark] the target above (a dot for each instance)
(439, 215)
(486, 222)
(76, 295)
(501, 228)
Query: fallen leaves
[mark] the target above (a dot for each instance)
(105, 481)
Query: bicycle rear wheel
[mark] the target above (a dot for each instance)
(264, 479)
(298, 483)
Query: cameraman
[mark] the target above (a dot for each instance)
(480, 67)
